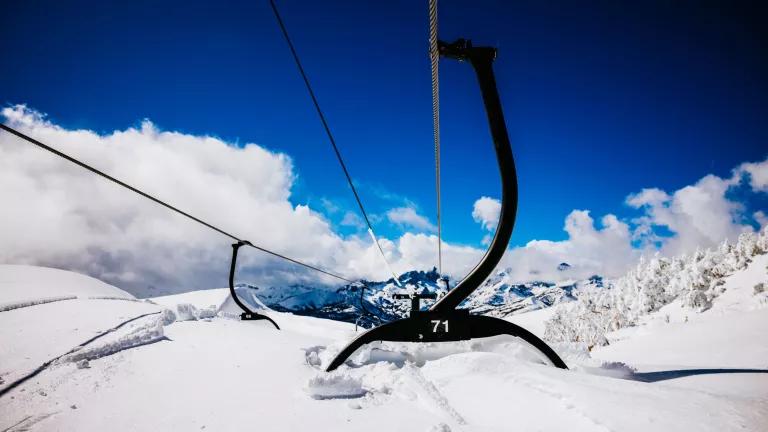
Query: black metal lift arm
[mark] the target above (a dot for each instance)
(443, 322)
(481, 59)
(248, 314)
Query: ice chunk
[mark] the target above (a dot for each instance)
(335, 385)
(186, 312)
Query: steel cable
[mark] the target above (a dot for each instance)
(434, 56)
(330, 135)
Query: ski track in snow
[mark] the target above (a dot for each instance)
(439, 400)
(110, 349)
(5, 307)
(562, 399)
(148, 333)
(28, 422)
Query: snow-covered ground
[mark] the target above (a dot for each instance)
(101, 362)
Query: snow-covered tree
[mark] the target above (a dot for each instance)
(695, 280)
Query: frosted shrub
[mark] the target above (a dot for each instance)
(697, 300)
(587, 322)
(695, 280)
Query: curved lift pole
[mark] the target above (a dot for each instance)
(443, 322)
(248, 314)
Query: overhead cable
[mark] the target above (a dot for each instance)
(328, 132)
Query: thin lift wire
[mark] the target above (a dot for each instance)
(163, 203)
(330, 135)
(434, 56)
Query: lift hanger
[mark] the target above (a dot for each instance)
(444, 322)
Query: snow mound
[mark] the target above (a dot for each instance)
(138, 333)
(21, 283)
(335, 385)
(206, 304)
(402, 353)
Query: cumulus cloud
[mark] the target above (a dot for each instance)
(56, 214)
(351, 219)
(671, 223)
(406, 217)
(699, 215)
(486, 212)
(589, 250)
(757, 172)
(761, 218)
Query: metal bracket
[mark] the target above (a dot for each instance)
(444, 327)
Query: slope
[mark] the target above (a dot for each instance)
(218, 373)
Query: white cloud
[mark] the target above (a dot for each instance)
(419, 251)
(649, 197)
(486, 212)
(605, 251)
(758, 174)
(353, 220)
(329, 206)
(408, 217)
(56, 214)
(761, 218)
(699, 215)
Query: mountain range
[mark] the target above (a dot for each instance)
(371, 302)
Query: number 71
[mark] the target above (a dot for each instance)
(436, 324)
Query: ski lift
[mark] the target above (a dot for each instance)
(443, 321)
(248, 314)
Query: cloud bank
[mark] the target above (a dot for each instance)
(56, 214)
(701, 215)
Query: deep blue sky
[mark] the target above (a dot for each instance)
(602, 98)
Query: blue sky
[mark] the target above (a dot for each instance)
(602, 98)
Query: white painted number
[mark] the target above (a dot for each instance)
(437, 323)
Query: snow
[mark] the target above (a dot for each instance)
(45, 331)
(337, 384)
(41, 324)
(132, 365)
(739, 292)
(20, 283)
(34, 302)
(198, 299)
(534, 321)
(672, 289)
(695, 343)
